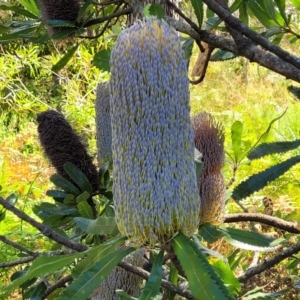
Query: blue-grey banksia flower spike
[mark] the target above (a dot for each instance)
(155, 189)
(103, 123)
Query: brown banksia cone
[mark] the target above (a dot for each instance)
(66, 10)
(103, 123)
(209, 140)
(62, 144)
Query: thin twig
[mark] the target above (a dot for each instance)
(17, 246)
(270, 262)
(59, 284)
(45, 230)
(288, 226)
(17, 262)
(166, 284)
(123, 12)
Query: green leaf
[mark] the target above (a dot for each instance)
(233, 260)
(236, 138)
(18, 10)
(78, 177)
(272, 148)
(296, 3)
(222, 55)
(204, 283)
(83, 8)
(97, 253)
(62, 34)
(187, 46)
(173, 278)
(31, 6)
(4, 29)
(65, 59)
(85, 210)
(84, 285)
(154, 10)
(12, 199)
(227, 275)
(61, 23)
(250, 240)
(101, 60)
(57, 194)
(100, 226)
(210, 233)
(152, 286)
(124, 296)
(63, 183)
(198, 10)
(261, 14)
(281, 6)
(44, 265)
(243, 14)
(53, 209)
(258, 181)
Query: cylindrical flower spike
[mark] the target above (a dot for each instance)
(209, 140)
(103, 123)
(155, 189)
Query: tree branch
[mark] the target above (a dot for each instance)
(45, 230)
(17, 262)
(16, 246)
(253, 53)
(59, 284)
(123, 12)
(235, 23)
(270, 262)
(288, 226)
(166, 284)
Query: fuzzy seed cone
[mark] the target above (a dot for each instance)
(62, 144)
(121, 279)
(212, 195)
(66, 10)
(155, 190)
(209, 140)
(103, 126)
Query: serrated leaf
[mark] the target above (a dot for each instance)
(53, 209)
(57, 194)
(101, 60)
(31, 6)
(204, 283)
(258, 181)
(44, 265)
(236, 138)
(84, 285)
(18, 10)
(261, 14)
(85, 210)
(153, 283)
(65, 59)
(62, 34)
(60, 23)
(210, 233)
(83, 8)
(250, 240)
(281, 6)
(227, 275)
(78, 177)
(64, 184)
(272, 148)
(97, 253)
(198, 10)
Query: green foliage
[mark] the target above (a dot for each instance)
(198, 271)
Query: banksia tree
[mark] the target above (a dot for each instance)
(103, 126)
(209, 140)
(62, 144)
(66, 10)
(155, 190)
